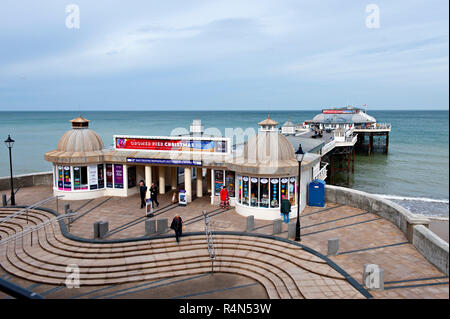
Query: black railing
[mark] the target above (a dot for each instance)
(16, 291)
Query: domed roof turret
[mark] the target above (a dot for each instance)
(80, 138)
(78, 145)
(266, 147)
(267, 152)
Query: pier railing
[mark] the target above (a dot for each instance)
(377, 126)
(328, 147)
(322, 174)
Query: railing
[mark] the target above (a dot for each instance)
(328, 147)
(32, 229)
(209, 240)
(377, 126)
(322, 174)
(16, 291)
(352, 139)
(26, 209)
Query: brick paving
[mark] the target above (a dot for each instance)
(356, 230)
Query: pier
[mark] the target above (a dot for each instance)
(344, 132)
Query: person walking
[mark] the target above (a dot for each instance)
(177, 226)
(285, 208)
(224, 198)
(142, 192)
(154, 194)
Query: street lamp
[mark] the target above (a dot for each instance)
(9, 144)
(300, 154)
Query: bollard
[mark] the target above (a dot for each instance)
(102, 229)
(162, 225)
(277, 224)
(150, 227)
(373, 277)
(292, 227)
(250, 223)
(333, 246)
(96, 230)
(4, 200)
(66, 208)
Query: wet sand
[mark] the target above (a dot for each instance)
(440, 228)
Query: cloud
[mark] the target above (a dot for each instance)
(257, 50)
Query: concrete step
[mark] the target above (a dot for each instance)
(285, 270)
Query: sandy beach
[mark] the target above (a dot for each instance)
(440, 228)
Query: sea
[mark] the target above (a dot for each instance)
(414, 173)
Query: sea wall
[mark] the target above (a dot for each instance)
(27, 180)
(432, 247)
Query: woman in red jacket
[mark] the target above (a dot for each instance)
(224, 198)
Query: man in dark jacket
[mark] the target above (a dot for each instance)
(177, 226)
(142, 192)
(154, 194)
(285, 208)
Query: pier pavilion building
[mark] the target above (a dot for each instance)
(257, 176)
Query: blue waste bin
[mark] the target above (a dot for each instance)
(316, 193)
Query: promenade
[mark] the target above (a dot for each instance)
(364, 238)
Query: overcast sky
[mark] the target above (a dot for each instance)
(219, 55)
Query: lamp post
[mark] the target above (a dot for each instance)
(9, 144)
(300, 154)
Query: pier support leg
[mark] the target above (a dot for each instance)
(332, 169)
(353, 161)
(387, 143)
(370, 143)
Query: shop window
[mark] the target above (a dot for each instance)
(245, 190)
(100, 176)
(264, 192)
(60, 178)
(131, 176)
(239, 194)
(67, 179)
(229, 182)
(80, 178)
(218, 181)
(284, 187)
(118, 176)
(254, 192)
(93, 178)
(109, 176)
(292, 190)
(274, 192)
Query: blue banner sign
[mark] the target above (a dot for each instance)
(163, 161)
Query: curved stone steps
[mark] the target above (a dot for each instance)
(321, 269)
(200, 266)
(15, 259)
(68, 252)
(283, 282)
(139, 262)
(285, 270)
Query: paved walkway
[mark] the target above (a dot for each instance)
(364, 237)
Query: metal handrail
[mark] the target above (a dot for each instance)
(16, 291)
(26, 209)
(35, 228)
(209, 240)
